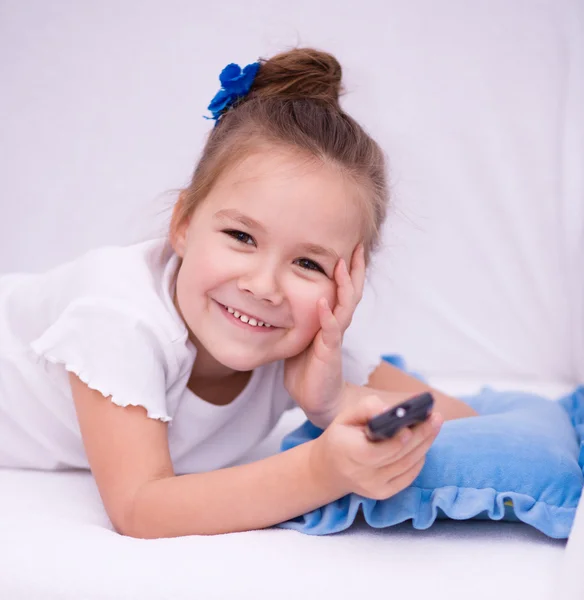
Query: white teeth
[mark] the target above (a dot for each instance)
(249, 320)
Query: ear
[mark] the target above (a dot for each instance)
(179, 225)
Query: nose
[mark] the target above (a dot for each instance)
(262, 283)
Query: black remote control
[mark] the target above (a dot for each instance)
(414, 410)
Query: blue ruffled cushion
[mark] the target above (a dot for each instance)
(574, 405)
(521, 459)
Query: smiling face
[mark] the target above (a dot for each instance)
(264, 244)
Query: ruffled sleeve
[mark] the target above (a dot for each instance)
(113, 350)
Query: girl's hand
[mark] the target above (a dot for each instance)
(345, 460)
(314, 378)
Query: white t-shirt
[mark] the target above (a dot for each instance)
(109, 317)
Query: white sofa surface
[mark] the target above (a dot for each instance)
(57, 543)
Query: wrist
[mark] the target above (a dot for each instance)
(322, 469)
(326, 415)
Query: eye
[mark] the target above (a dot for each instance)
(309, 265)
(240, 236)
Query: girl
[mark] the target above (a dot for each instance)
(159, 365)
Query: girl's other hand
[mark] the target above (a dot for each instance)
(314, 378)
(346, 460)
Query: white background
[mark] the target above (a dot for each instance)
(477, 104)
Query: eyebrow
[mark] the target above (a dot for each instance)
(235, 215)
(315, 250)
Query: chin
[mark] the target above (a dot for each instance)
(239, 361)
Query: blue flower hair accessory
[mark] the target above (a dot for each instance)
(235, 84)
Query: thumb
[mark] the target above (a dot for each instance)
(363, 410)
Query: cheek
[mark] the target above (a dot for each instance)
(304, 301)
(205, 266)
(195, 278)
(186, 291)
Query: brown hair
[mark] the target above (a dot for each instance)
(294, 102)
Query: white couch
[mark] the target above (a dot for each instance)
(478, 105)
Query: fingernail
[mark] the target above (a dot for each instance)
(405, 436)
(436, 421)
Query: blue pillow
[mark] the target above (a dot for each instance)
(519, 460)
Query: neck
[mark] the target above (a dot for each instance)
(206, 367)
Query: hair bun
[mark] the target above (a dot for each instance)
(299, 73)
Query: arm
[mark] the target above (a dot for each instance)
(129, 457)
(388, 378)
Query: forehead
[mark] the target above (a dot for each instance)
(290, 193)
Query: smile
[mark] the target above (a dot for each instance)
(245, 320)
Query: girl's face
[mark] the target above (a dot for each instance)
(262, 248)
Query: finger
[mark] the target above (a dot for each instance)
(381, 453)
(406, 463)
(362, 411)
(358, 269)
(389, 451)
(422, 438)
(345, 295)
(350, 286)
(402, 481)
(332, 336)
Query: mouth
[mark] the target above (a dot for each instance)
(245, 320)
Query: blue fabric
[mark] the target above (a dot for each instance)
(521, 459)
